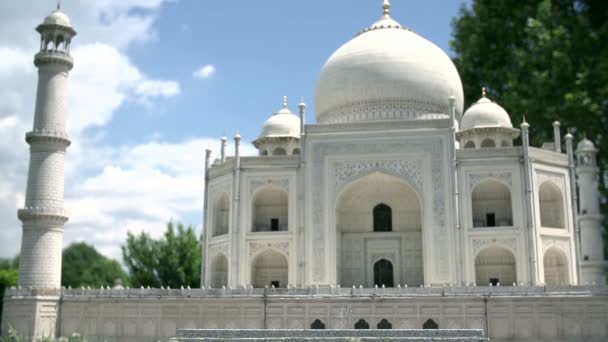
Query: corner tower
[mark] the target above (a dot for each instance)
(44, 216)
(593, 265)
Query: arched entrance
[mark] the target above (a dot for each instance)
(551, 205)
(219, 271)
(383, 273)
(555, 263)
(491, 204)
(269, 269)
(221, 214)
(378, 217)
(270, 210)
(494, 266)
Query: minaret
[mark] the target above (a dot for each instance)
(593, 265)
(44, 216)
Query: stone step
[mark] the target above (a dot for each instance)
(463, 335)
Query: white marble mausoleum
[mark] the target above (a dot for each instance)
(398, 209)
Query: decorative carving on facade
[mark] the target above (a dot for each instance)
(432, 147)
(508, 243)
(396, 109)
(255, 184)
(408, 170)
(556, 178)
(216, 188)
(256, 247)
(476, 178)
(215, 249)
(562, 244)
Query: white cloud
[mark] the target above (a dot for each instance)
(204, 72)
(155, 88)
(137, 188)
(103, 79)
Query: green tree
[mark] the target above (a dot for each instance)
(9, 274)
(545, 59)
(83, 266)
(174, 260)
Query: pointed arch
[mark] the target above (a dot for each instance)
(491, 204)
(219, 271)
(551, 205)
(221, 215)
(430, 324)
(384, 324)
(383, 218)
(555, 262)
(495, 266)
(269, 268)
(488, 143)
(270, 210)
(361, 324)
(358, 207)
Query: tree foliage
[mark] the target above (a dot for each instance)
(545, 59)
(174, 260)
(83, 266)
(9, 274)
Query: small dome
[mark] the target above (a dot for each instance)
(386, 73)
(57, 17)
(585, 145)
(485, 113)
(282, 124)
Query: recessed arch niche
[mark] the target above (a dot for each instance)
(360, 246)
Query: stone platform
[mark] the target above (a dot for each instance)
(456, 335)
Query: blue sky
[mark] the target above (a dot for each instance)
(261, 51)
(155, 82)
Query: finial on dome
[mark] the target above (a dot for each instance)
(58, 5)
(387, 8)
(284, 102)
(483, 92)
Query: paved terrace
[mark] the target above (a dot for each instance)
(334, 291)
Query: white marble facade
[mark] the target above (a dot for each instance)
(396, 186)
(461, 203)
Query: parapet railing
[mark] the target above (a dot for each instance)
(334, 291)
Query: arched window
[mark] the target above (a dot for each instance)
(556, 267)
(221, 215)
(488, 143)
(270, 210)
(495, 266)
(264, 152)
(383, 218)
(505, 143)
(470, 144)
(361, 324)
(491, 204)
(269, 269)
(296, 151)
(383, 273)
(430, 324)
(384, 324)
(317, 324)
(551, 205)
(279, 151)
(219, 271)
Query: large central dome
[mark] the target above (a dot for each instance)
(387, 73)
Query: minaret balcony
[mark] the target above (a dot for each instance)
(56, 215)
(53, 56)
(46, 136)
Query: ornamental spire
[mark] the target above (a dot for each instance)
(387, 8)
(284, 102)
(483, 92)
(58, 5)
